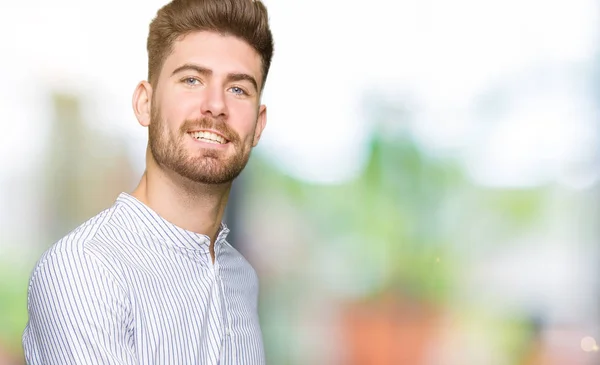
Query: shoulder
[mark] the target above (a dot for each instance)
(71, 256)
(76, 240)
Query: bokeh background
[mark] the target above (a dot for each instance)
(426, 192)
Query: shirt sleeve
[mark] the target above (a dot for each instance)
(78, 314)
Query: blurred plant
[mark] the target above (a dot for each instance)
(388, 224)
(13, 305)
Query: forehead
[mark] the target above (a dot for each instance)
(221, 53)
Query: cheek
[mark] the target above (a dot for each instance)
(243, 120)
(175, 111)
(246, 129)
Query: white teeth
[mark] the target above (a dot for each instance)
(208, 137)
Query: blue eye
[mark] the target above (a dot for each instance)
(191, 81)
(238, 91)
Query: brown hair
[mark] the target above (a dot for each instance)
(245, 19)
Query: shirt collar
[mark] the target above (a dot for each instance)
(151, 222)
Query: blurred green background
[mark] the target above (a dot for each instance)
(426, 191)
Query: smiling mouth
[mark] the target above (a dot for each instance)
(208, 137)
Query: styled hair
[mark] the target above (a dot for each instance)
(245, 19)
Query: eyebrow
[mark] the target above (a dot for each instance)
(243, 77)
(208, 72)
(191, 67)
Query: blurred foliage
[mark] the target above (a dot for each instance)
(14, 277)
(401, 219)
(391, 213)
(401, 228)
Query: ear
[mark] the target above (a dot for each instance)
(261, 122)
(142, 103)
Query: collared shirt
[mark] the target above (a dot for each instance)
(129, 287)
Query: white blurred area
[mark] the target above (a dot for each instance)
(508, 87)
(444, 57)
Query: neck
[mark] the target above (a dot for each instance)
(192, 206)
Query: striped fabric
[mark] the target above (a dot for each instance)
(128, 287)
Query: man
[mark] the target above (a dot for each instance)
(152, 279)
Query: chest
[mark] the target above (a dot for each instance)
(174, 297)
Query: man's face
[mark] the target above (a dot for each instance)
(205, 112)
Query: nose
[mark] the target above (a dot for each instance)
(213, 102)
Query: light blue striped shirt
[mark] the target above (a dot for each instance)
(128, 287)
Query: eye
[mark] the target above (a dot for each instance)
(191, 81)
(238, 91)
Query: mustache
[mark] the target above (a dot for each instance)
(211, 123)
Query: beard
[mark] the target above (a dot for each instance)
(207, 166)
